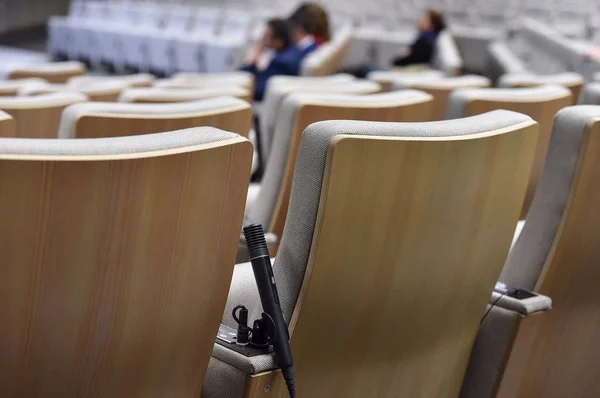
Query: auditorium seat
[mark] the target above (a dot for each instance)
(53, 72)
(446, 56)
(155, 95)
(378, 197)
(519, 353)
(7, 125)
(572, 81)
(386, 78)
(540, 103)
(297, 111)
(277, 91)
(115, 261)
(103, 91)
(501, 60)
(441, 88)
(9, 88)
(39, 116)
(133, 80)
(161, 48)
(97, 120)
(327, 59)
(244, 79)
(591, 94)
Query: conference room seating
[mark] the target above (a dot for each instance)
(540, 103)
(103, 91)
(327, 59)
(9, 88)
(591, 94)
(7, 125)
(501, 61)
(54, 72)
(97, 120)
(39, 116)
(132, 80)
(441, 88)
(277, 91)
(519, 353)
(572, 81)
(115, 261)
(244, 79)
(163, 95)
(379, 197)
(446, 56)
(386, 78)
(268, 205)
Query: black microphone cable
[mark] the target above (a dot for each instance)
(265, 281)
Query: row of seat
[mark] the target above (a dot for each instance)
(445, 192)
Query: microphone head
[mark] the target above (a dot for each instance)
(255, 240)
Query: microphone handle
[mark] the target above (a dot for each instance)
(263, 273)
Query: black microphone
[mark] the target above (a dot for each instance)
(263, 273)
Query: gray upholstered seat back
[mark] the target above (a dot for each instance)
(459, 99)
(446, 56)
(530, 79)
(527, 258)
(73, 112)
(179, 95)
(591, 94)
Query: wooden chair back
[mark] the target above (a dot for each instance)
(7, 125)
(403, 260)
(54, 72)
(99, 91)
(156, 95)
(39, 116)
(116, 267)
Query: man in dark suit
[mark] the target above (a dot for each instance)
(275, 55)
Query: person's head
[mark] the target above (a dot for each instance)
(277, 35)
(301, 25)
(432, 20)
(318, 16)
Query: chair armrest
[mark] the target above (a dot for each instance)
(251, 365)
(525, 307)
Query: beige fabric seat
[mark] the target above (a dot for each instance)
(441, 88)
(9, 88)
(96, 120)
(134, 80)
(39, 116)
(570, 80)
(115, 261)
(518, 352)
(161, 95)
(53, 72)
(101, 91)
(392, 199)
(244, 79)
(387, 78)
(540, 103)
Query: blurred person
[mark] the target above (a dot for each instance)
(302, 24)
(320, 22)
(421, 50)
(274, 55)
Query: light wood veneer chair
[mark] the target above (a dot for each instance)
(9, 88)
(441, 88)
(115, 262)
(518, 352)
(570, 80)
(164, 95)
(395, 236)
(98, 91)
(387, 78)
(95, 120)
(540, 103)
(7, 125)
(39, 116)
(133, 80)
(53, 72)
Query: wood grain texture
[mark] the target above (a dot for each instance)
(543, 112)
(51, 76)
(440, 96)
(7, 125)
(564, 356)
(36, 121)
(265, 385)
(403, 260)
(311, 112)
(236, 119)
(115, 271)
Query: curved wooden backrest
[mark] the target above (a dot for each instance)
(115, 269)
(310, 112)
(247, 96)
(440, 95)
(560, 354)
(37, 120)
(575, 89)
(542, 112)
(52, 73)
(403, 259)
(237, 119)
(7, 125)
